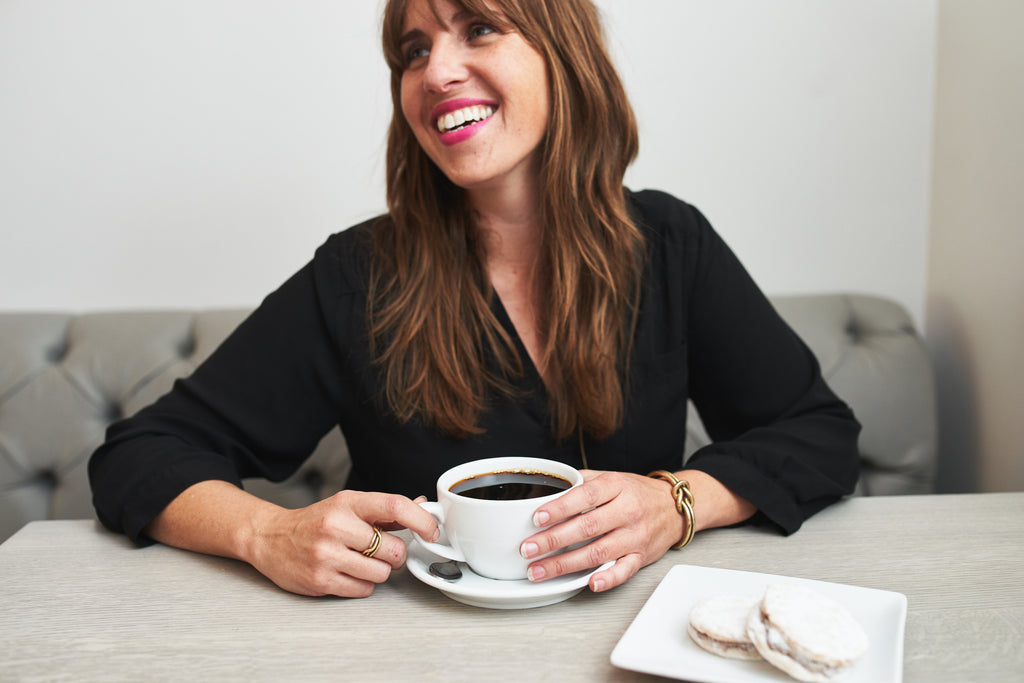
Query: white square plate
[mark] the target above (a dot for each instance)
(656, 642)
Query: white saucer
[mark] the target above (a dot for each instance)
(478, 591)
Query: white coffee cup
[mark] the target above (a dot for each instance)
(486, 534)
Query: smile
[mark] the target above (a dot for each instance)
(466, 116)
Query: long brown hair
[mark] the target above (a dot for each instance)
(433, 333)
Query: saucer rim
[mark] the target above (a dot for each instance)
(509, 594)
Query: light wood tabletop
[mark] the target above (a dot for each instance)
(81, 603)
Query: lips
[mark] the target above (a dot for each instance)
(464, 117)
(457, 120)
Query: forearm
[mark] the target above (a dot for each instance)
(714, 504)
(213, 517)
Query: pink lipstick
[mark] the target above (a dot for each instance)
(459, 119)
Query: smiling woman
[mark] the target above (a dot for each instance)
(458, 65)
(561, 136)
(515, 299)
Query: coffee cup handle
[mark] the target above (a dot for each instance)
(441, 549)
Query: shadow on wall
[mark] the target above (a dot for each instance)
(949, 345)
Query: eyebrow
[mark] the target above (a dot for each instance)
(415, 34)
(410, 36)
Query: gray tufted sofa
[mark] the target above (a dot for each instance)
(65, 377)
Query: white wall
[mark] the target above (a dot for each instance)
(195, 152)
(801, 127)
(181, 152)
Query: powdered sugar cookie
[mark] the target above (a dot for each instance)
(719, 625)
(807, 635)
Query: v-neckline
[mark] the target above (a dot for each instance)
(531, 375)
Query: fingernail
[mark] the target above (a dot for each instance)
(597, 586)
(528, 550)
(437, 535)
(536, 573)
(540, 518)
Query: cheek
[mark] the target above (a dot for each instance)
(537, 96)
(536, 84)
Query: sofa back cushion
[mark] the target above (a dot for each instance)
(65, 377)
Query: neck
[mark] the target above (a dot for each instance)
(509, 220)
(511, 229)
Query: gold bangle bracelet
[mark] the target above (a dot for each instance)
(684, 503)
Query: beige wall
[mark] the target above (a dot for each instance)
(975, 288)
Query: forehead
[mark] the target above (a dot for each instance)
(447, 12)
(420, 12)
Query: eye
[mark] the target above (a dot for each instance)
(415, 52)
(480, 30)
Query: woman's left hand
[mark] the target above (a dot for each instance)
(632, 519)
(627, 518)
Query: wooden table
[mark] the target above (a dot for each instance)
(80, 603)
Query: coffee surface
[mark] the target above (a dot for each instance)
(510, 485)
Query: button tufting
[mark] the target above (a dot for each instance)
(47, 478)
(55, 354)
(113, 412)
(187, 347)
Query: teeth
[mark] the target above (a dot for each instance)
(452, 120)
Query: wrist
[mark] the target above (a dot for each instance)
(683, 500)
(252, 535)
(715, 505)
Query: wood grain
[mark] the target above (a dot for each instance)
(80, 603)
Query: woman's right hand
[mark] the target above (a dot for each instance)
(315, 550)
(318, 550)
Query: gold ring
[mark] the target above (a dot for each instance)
(374, 544)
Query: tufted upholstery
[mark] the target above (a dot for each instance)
(873, 358)
(64, 377)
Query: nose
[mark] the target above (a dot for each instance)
(446, 67)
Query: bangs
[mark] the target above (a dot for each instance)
(503, 15)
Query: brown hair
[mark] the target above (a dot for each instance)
(432, 329)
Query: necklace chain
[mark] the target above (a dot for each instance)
(583, 449)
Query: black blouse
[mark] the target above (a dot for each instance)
(300, 365)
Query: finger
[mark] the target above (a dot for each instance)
(390, 549)
(373, 569)
(357, 536)
(616, 575)
(577, 529)
(346, 586)
(342, 585)
(342, 577)
(394, 526)
(352, 561)
(393, 509)
(589, 556)
(588, 495)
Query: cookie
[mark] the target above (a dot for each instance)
(719, 625)
(809, 636)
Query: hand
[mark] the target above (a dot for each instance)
(318, 550)
(626, 517)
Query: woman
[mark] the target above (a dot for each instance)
(515, 299)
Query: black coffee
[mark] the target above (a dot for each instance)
(510, 485)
